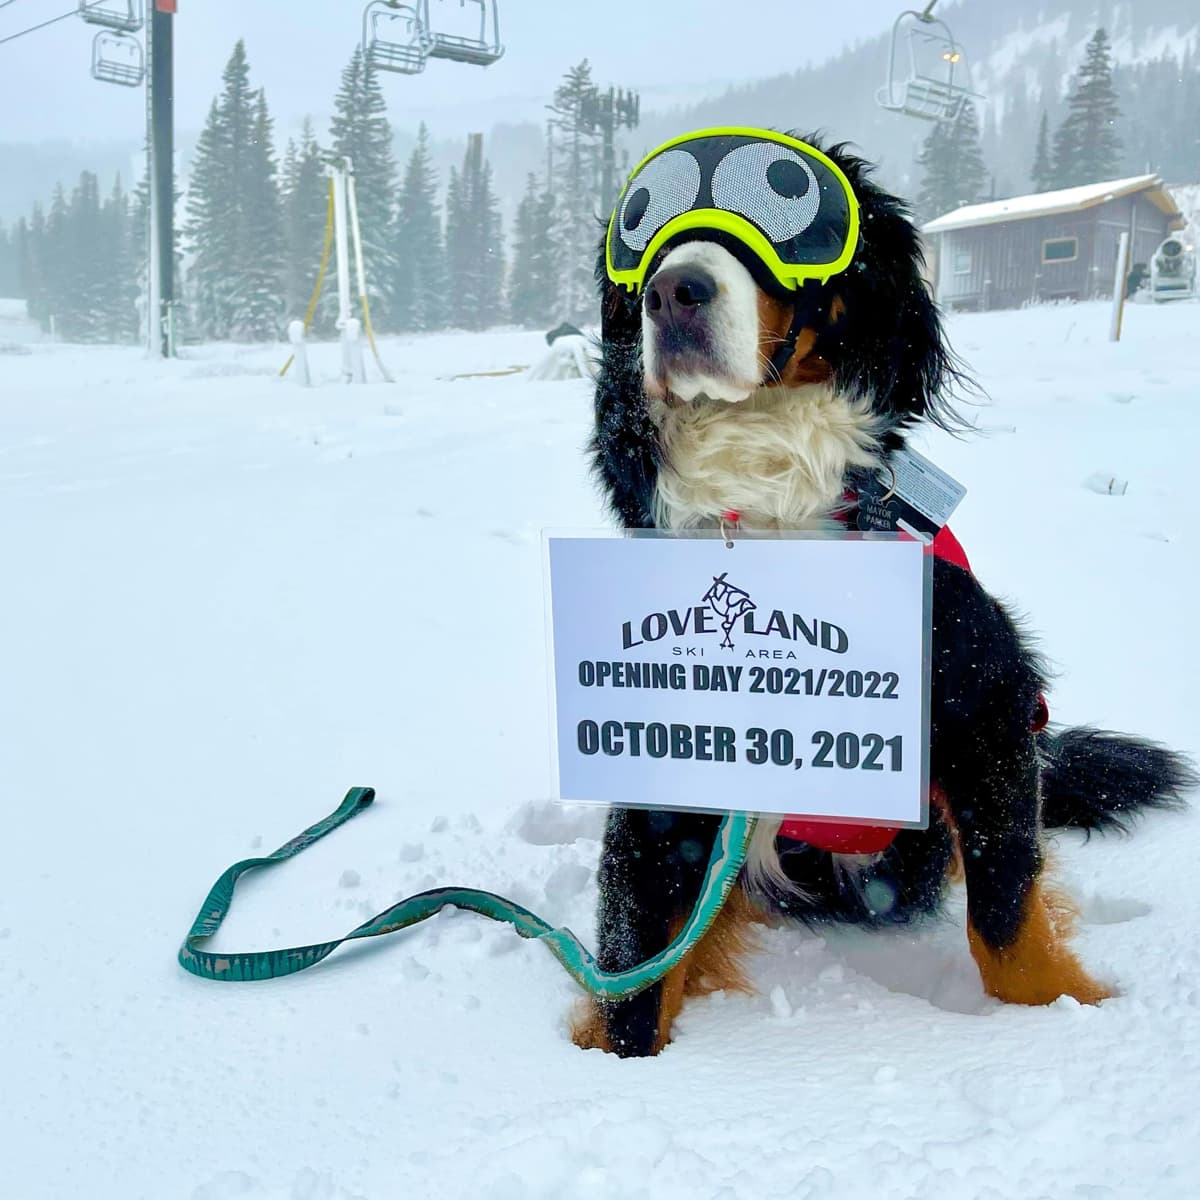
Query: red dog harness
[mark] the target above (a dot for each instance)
(842, 838)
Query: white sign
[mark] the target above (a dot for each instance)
(780, 676)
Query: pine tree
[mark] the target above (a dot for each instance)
(122, 265)
(1042, 173)
(575, 185)
(474, 250)
(139, 236)
(8, 263)
(533, 281)
(305, 214)
(32, 266)
(419, 285)
(234, 228)
(55, 268)
(1086, 146)
(360, 132)
(209, 230)
(952, 161)
(486, 213)
(459, 248)
(258, 310)
(23, 283)
(85, 307)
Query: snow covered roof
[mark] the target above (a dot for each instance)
(1045, 204)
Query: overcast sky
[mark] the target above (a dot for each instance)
(672, 50)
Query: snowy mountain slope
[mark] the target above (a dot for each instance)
(1022, 54)
(229, 599)
(1139, 33)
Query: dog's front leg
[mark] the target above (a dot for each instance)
(651, 869)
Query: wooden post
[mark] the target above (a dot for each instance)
(1119, 285)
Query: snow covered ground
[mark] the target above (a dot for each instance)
(228, 599)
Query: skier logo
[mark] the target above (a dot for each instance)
(729, 603)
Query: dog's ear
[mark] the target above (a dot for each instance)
(893, 348)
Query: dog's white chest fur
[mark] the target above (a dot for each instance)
(778, 459)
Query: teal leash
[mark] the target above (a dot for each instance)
(729, 851)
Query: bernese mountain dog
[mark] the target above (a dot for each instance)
(724, 395)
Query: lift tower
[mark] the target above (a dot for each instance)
(160, 138)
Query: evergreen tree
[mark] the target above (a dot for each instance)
(84, 304)
(139, 234)
(24, 285)
(360, 132)
(305, 214)
(485, 211)
(575, 170)
(532, 285)
(9, 282)
(474, 251)
(32, 266)
(209, 230)
(419, 286)
(122, 263)
(234, 229)
(1042, 173)
(52, 253)
(258, 300)
(954, 171)
(459, 245)
(1086, 146)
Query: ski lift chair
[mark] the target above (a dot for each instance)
(122, 15)
(118, 58)
(479, 51)
(935, 82)
(394, 37)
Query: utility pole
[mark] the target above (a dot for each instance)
(160, 140)
(605, 113)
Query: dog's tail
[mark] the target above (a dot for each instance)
(1096, 780)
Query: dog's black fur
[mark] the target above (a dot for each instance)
(1002, 784)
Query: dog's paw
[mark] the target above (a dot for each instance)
(589, 1031)
(587, 1028)
(1045, 986)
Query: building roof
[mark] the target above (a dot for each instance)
(1046, 204)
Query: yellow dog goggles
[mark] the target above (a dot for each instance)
(790, 205)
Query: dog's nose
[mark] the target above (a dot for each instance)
(678, 293)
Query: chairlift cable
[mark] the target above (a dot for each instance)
(12, 37)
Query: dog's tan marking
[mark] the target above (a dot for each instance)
(774, 320)
(587, 1027)
(716, 964)
(1039, 966)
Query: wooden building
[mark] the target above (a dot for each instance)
(1051, 246)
